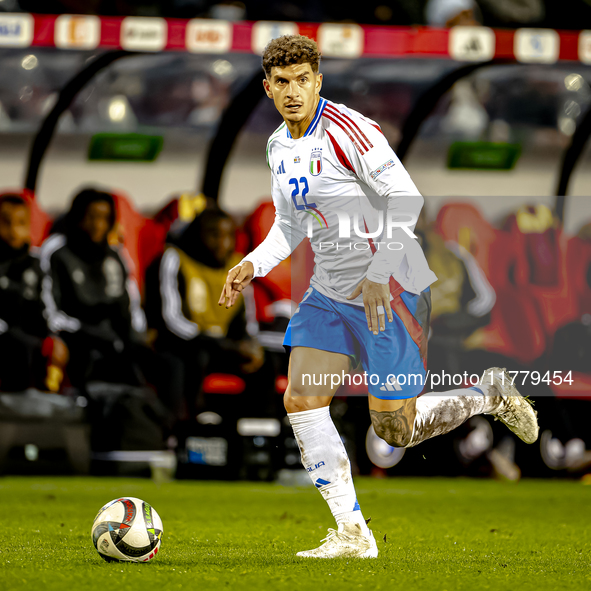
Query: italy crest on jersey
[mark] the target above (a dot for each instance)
(316, 162)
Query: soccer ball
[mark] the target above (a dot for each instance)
(127, 530)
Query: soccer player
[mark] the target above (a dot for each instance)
(336, 179)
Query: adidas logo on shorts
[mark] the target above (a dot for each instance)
(391, 385)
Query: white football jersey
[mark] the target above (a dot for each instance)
(342, 185)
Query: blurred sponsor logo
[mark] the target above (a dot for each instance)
(16, 30)
(77, 31)
(536, 45)
(337, 40)
(471, 44)
(265, 31)
(143, 33)
(585, 47)
(208, 36)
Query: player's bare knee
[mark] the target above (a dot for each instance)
(295, 402)
(392, 428)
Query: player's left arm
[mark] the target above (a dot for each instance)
(381, 170)
(376, 164)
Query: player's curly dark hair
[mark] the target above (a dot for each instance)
(289, 50)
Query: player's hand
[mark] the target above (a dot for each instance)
(376, 300)
(238, 278)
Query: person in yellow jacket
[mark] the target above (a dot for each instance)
(206, 337)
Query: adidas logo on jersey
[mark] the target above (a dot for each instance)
(391, 385)
(281, 169)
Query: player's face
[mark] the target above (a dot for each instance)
(219, 237)
(97, 221)
(295, 91)
(15, 225)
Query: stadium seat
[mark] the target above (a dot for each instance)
(40, 221)
(578, 265)
(580, 389)
(514, 329)
(276, 286)
(281, 384)
(130, 223)
(143, 237)
(152, 235)
(289, 280)
(542, 249)
(464, 223)
(223, 383)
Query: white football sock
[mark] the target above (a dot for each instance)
(441, 413)
(326, 461)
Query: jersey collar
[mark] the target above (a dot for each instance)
(314, 124)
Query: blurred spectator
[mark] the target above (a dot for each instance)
(191, 325)
(186, 8)
(511, 13)
(91, 300)
(462, 298)
(124, 7)
(492, 13)
(29, 356)
(540, 232)
(571, 348)
(585, 234)
(62, 6)
(228, 11)
(9, 6)
(452, 13)
(466, 118)
(571, 15)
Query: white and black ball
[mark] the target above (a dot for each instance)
(127, 530)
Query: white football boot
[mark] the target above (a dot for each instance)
(346, 543)
(514, 411)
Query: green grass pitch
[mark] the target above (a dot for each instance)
(435, 534)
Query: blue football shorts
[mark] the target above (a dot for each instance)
(394, 360)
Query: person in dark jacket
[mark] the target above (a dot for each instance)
(206, 337)
(30, 356)
(91, 299)
(462, 298)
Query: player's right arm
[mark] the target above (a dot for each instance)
(282, 239)
(239, 277)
